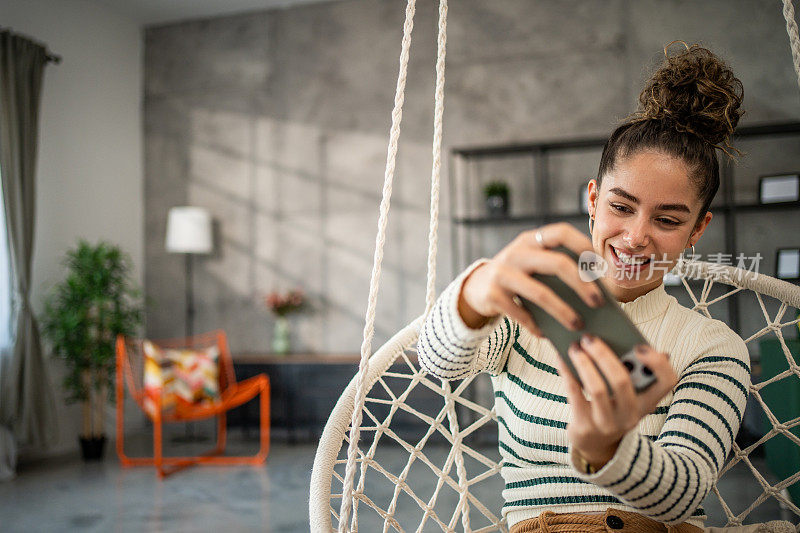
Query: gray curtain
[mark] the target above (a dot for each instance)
(27, 406)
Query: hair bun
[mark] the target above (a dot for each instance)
(697, 92)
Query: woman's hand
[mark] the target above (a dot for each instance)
(599, 423)
(490, 290)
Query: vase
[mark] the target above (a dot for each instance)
(280, 336)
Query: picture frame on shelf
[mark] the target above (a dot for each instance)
(787, 264)
(779, 188)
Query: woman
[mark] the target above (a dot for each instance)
(612, 458)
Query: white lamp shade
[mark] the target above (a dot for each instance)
(189, 230)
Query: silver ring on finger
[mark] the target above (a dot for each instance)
(540, 238)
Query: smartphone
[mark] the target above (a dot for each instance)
(608, 322)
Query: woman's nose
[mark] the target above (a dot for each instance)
(637, 235)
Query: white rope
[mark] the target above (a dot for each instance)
(348, 502)
(433, 237)
(369, 327)
(457, 452)
(431, 296)
(794, 39)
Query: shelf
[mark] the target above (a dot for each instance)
(757, 130)
(554, 166)
(777, 206)
(522, 148)
(484, 221)
(520, 219)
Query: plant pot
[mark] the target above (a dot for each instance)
(497, 205)
(92, 448)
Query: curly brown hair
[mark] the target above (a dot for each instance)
(689, 108)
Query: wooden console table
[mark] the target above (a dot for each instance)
(304, 390)
(296, 358)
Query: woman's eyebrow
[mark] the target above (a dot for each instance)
(662, 207)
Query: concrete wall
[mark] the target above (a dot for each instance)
(89, 176)
(277, 122)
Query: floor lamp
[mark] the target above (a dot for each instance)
(189, 233)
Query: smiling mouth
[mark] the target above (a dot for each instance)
(630, 262)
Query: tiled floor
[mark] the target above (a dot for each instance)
(69, 495)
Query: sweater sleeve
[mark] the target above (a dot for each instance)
(449, 349)
(668, 478)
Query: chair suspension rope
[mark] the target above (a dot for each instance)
(794, 39)
(369, 328)
(434, 219)
(433, 235)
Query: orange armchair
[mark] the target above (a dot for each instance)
(130, 371)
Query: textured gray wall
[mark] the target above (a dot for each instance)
(278, 123)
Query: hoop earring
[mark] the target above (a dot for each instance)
(591, 224)
(693, 254)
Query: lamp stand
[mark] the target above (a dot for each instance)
(190, 433)
(189, 297)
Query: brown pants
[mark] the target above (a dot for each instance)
(612, 521)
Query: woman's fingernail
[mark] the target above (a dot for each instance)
(641, 349)
(577, 323)
(573, 346)
(597, 299)
(587, 338)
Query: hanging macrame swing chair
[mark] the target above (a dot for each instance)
(388, 380)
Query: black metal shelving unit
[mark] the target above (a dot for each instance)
(539, 153)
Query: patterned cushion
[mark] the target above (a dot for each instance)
(179, 377)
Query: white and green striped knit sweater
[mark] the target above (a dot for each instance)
(662, 469)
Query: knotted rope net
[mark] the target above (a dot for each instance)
(429, 491)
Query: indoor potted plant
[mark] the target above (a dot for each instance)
(96, 301)
(496, 198)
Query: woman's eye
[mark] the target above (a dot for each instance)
(625, 209)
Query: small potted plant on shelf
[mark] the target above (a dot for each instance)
(96, 301)
(281, 305)
(496, 193)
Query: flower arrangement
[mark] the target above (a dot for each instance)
(281, 304)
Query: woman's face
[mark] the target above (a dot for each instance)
(645, 213)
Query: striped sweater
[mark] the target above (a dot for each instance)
(662, 469)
